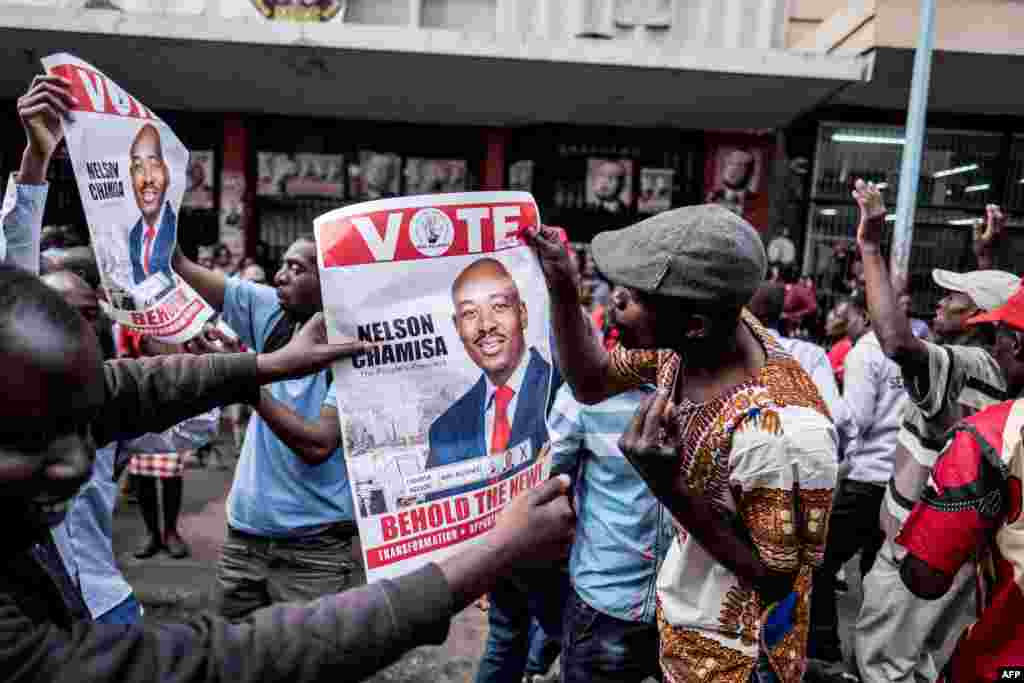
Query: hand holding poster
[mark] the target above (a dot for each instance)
(443, 422)
(130, 169)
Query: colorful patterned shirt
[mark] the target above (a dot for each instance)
(971, 512)
(765, 454)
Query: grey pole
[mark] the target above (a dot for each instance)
(910, 169)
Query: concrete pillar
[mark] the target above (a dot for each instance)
(238, 230)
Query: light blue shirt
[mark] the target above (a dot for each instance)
(275, 493)
(84, 538)
(622, 531)
(21, 218)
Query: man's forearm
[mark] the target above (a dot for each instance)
(890, 323)
(312, 445)
(344, 638)
(34, 166)
(21, 223)
(582, 359)
(154, 394)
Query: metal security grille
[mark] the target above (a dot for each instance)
(962, 171)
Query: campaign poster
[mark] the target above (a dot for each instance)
(609, 185)
(736, 175)
(300, 175)
(376, 176)
(199, 190)
(655, 190)
(431, 176)
(131, 170)
(443, 422)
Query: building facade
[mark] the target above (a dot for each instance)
(607, 110)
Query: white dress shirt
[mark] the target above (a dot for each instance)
(873, 388)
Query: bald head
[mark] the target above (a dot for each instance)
(150, 177)
(490, 318)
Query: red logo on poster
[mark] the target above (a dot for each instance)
(299, 10)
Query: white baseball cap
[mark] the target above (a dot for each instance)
(988, 289)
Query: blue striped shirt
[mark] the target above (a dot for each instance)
(622, 531)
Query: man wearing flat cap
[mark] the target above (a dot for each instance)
(736, 442)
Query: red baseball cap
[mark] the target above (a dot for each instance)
(1011, 313)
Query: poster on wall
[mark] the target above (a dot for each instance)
(300, 10)
(300, 175)
(655, 190)
(232, 214)
(610, 184)
(735, 175)
(520, 176)
(443, 420)
(199, 191)
(131, 172)
(432, 176)
(376, 176)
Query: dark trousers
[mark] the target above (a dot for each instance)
(515, 604)
(256, 571)
(854, 526)
(600, 648)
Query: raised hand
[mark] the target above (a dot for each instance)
(872, 214)
(987, 234)
(553, 255)
(41, 110)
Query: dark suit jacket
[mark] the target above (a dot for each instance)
(458, 434)
(163, 246)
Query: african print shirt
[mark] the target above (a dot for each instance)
(765, 454)
(971, 512)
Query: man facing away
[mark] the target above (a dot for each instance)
(767, 305)
(900, 637)
(736, 442)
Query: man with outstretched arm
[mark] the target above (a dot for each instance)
(900, 637)
(736, 442)
(61, 401)
(306, 543)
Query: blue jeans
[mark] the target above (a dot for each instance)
(128, 612)
(600, 648)
(514, 605)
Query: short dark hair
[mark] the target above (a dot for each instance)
(768, 303)
(21, 294)
(857, 300)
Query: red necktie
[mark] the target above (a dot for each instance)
(502, 429)
(148, 248)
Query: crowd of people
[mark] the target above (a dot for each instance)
(713, 473)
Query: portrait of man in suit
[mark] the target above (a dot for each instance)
(507, 405)
(151, 240)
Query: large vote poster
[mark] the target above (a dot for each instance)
(130, 169)
(443, 421)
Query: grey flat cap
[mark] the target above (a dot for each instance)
(703, 253)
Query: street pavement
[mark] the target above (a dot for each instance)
(171, 588)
